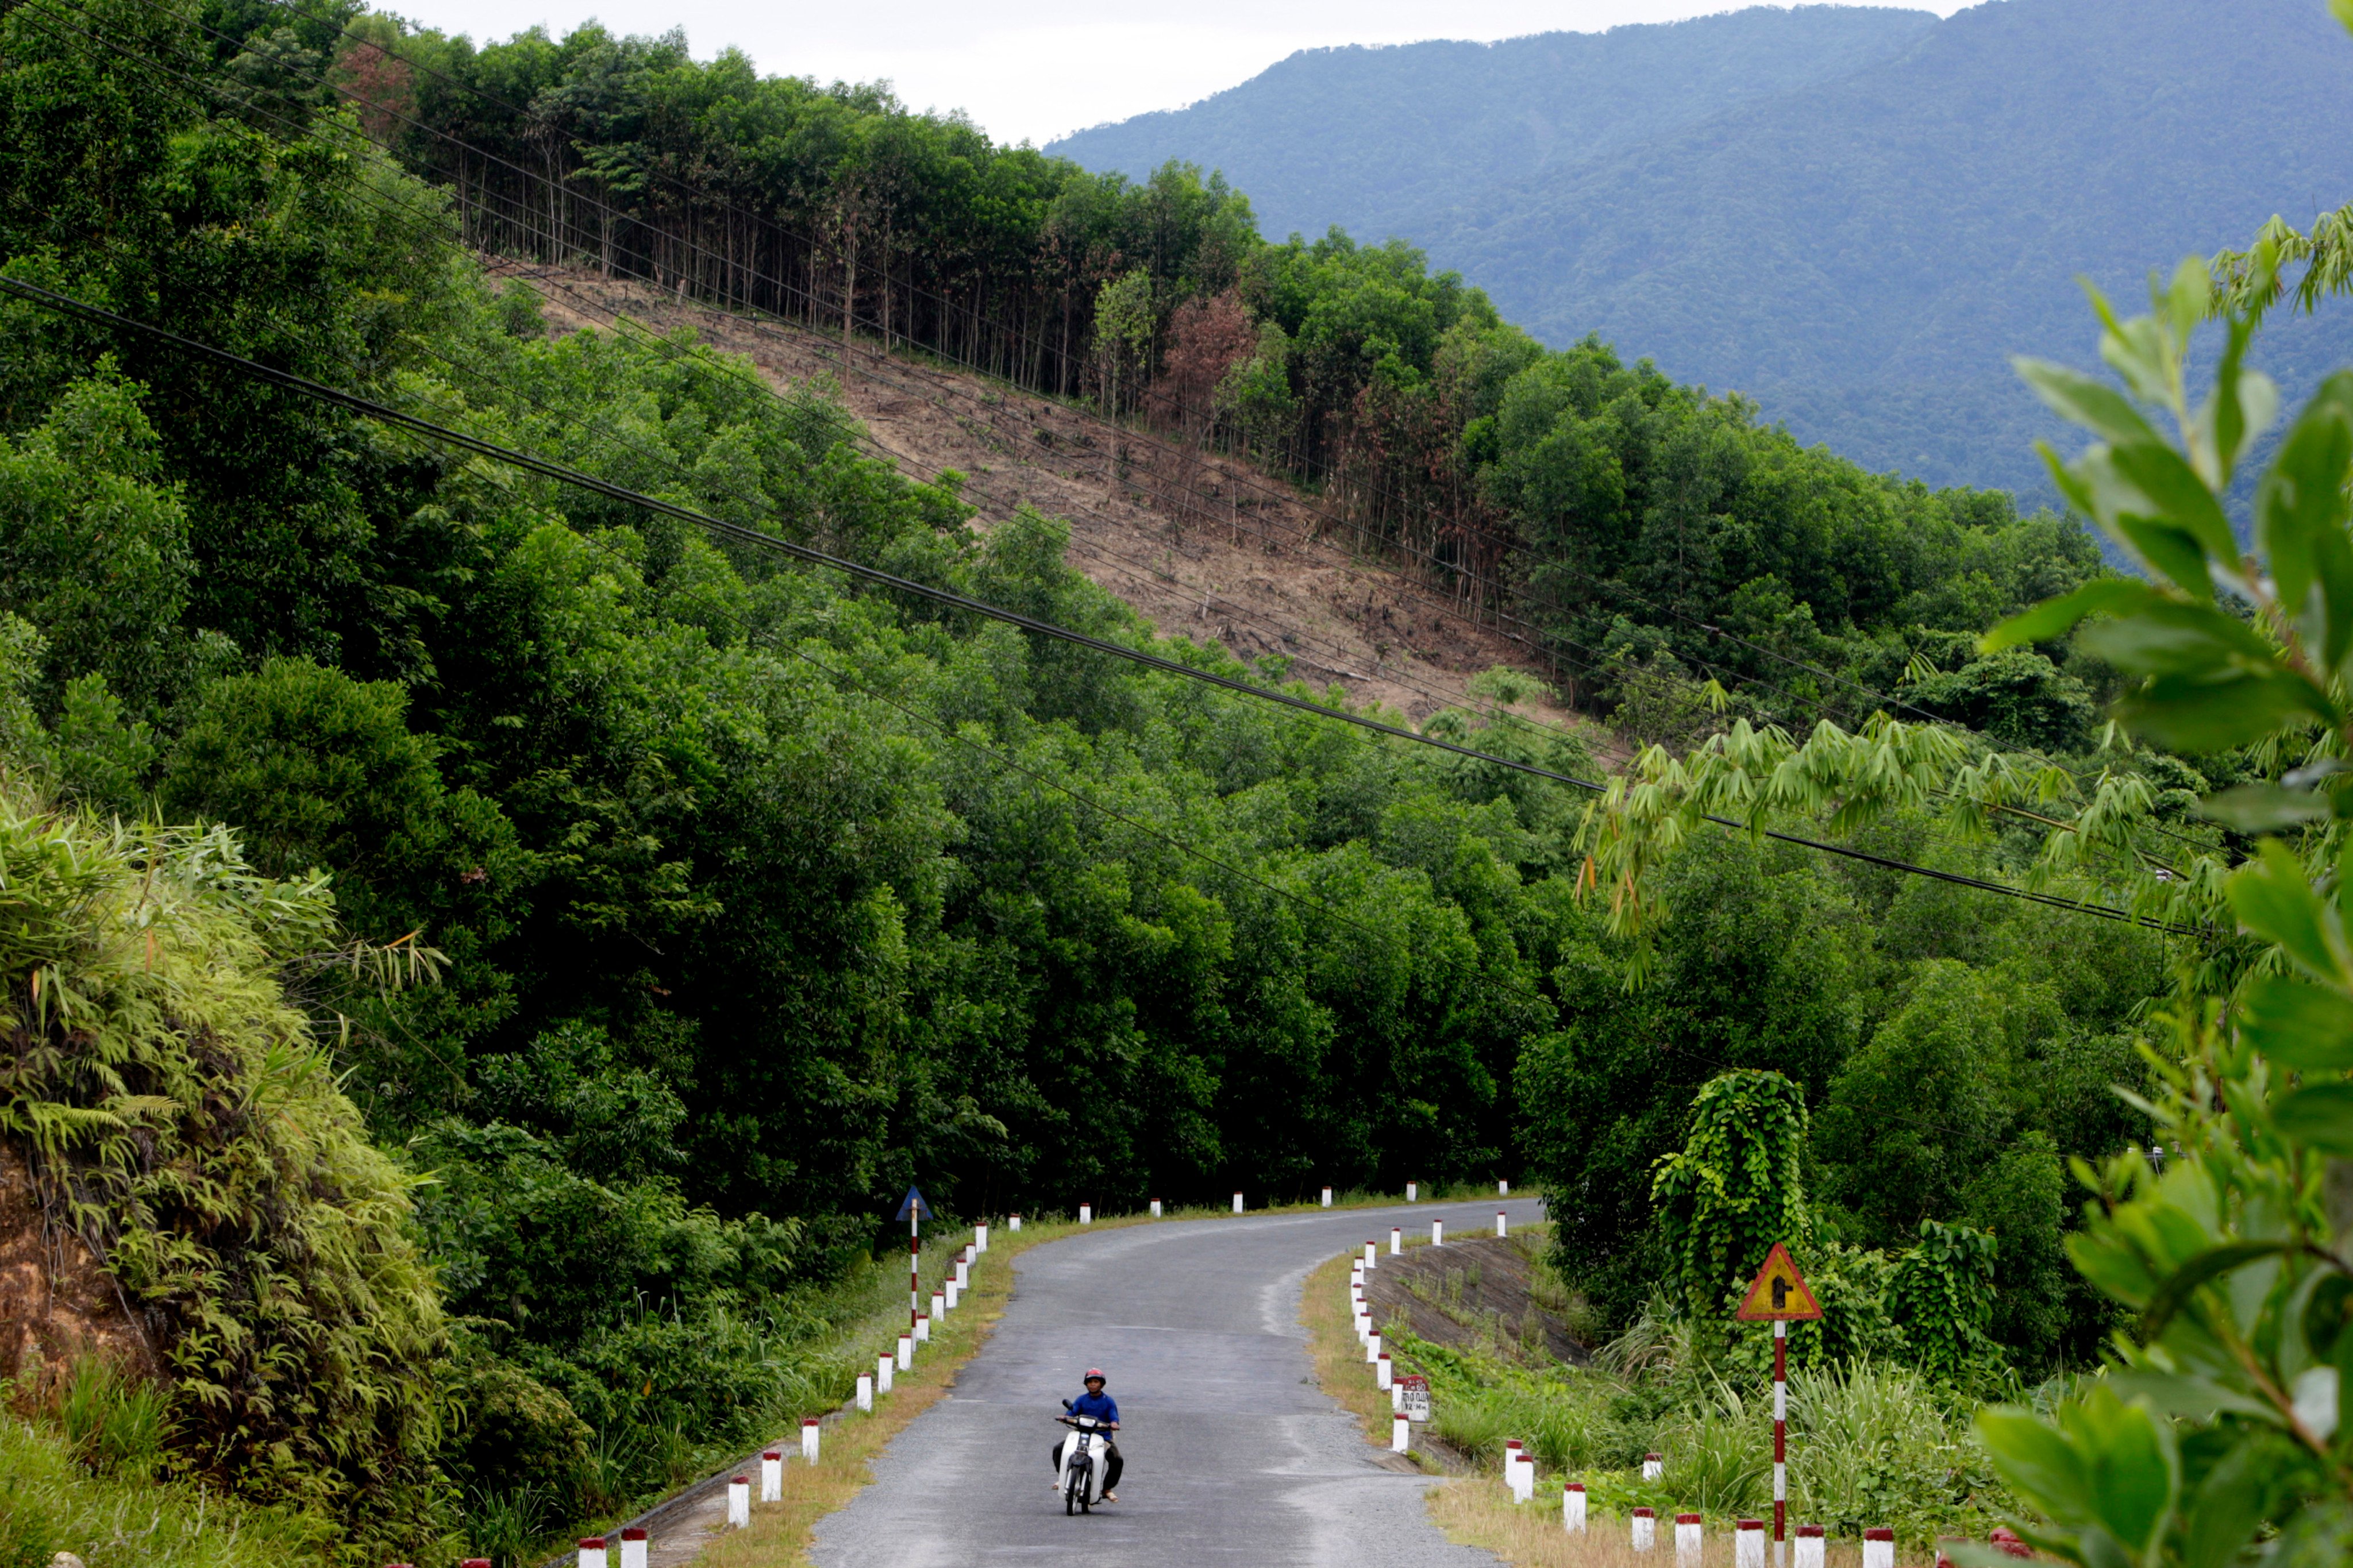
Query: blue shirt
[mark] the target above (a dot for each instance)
(1102, 1406)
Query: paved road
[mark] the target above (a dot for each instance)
(1233, 1454)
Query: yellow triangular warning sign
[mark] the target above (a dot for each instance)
(1778, 1293)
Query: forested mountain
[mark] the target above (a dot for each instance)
(729, 893)
(1382, 141)
(1860, 251)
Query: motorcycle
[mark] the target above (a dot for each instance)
(1081, 1467)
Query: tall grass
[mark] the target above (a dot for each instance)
(53, 1501)
(1874, 1445)
(113, 1423)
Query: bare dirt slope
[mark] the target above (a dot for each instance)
(1201, 545)
(1477, 1291)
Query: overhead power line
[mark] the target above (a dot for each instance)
(1114, 559)
(817, 245)
(561, 473)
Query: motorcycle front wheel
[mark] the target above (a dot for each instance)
(1072, 1493)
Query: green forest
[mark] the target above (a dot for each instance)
(478, 945)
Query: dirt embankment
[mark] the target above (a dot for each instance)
(1202, 547)
(1478, 1294)
(57, 1304)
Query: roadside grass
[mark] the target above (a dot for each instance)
(1339, 1357)
(780, 1533)
(57, 1496)
(1478, 1510)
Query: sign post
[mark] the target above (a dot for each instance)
(912, 1209)
(1413, 1396)
(1778, 1296)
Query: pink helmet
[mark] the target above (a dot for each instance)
(1093, 1375)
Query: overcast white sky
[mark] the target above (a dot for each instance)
(1039, 69)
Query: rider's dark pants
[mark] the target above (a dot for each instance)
(1113, 1464)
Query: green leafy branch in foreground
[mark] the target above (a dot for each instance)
(2219, 1426)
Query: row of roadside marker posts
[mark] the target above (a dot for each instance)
(1408, 1402)
(1408, 1396)
(1412, 1194)
(633, 1541)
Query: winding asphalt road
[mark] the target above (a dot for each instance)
(1233, 1455)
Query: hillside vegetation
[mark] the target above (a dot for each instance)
(1859, 248)
(486, 953)
(1629, 529)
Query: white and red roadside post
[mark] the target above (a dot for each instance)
(1687, 1541)
(1086, 1213)
(865, 1390)
(1013, 1222)
(1372, 1256)
(1384, 1372)
(739, 1503)
(1372, 1346)
(1502, 1189)
(633, 1547)
(1400, 1433)
(771, 1476)
(591, 1552)
(979, 1239)
(1155, 1208)
(1653, 1467)
(884, 1366)
(1238, 1203)
(1572, 1508)
(1411, 1189)
(1809, 1546)
(912, 1208)
(1781, 1447)
(1396, 1239)
(1748, 1545)
(1327, 1197)
(812, 1439)
(1438, 1233)
(1778, 1295)
(1499, 1222)
(907, 1349)
(1878, 1547)
(939, 1306)
(1643, 1529)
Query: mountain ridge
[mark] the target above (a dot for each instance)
(1860, 253)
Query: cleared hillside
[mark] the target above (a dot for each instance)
(1201, 545)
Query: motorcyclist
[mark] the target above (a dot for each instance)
(1095, 1402)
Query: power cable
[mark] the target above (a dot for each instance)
(670, 350)
(383, 414)
(816, 246)
(760, 387)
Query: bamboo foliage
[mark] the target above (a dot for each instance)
(2110, 826)
(180, 1119)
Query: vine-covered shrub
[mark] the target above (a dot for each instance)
(1734, 1187)
(1942, 1292)
(179, 1118)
